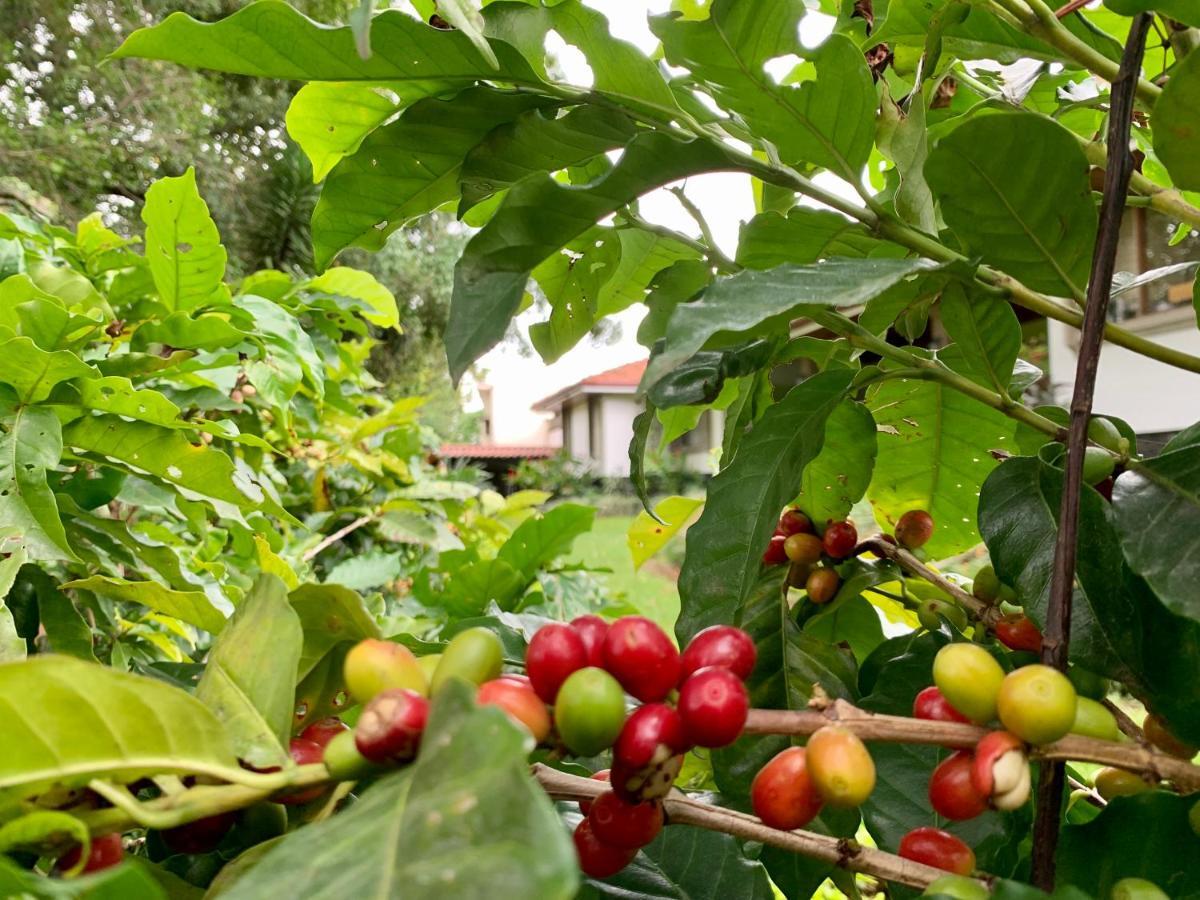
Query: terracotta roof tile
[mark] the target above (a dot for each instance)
(496, 451)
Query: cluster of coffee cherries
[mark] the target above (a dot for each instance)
(694, 699)
(812, 556)
(1014, 629)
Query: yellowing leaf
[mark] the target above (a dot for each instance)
(647, 537)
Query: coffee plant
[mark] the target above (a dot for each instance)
(201, 482)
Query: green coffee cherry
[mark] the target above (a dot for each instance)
(1093, 719)
(1194, 818)
(986, 586)
(959, 887)
(932, 611)
(1088, 684)
(344, 762)
(1037, 704)
(1098, 464)
(969, 678)
(1102, 431)
(589, 711)
(475, 655)
(1137, 889)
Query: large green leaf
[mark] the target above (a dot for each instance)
(1176, 123)
(836, 480)
(407, 168)
(725, 545)
(829, 121)
(30, 444)
(183, 248)
(802, 236)
(359, 285)
(33, 372)
(329, 615)
(1157, 514)
(193, 607)
(1181, 10)
(466, 821)
(249, 678)
(934, 454)
(539, 215)
(1014, 188)
(649, 534)
(986, 335)
(543, 537)
(752, 299)
(133, 879)
(70, 721)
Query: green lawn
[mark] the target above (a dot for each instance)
(650, 591)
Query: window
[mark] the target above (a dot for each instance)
(1145, 245)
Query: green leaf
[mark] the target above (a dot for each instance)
(854, 622)
(249, 678)
(33, 372)
(904, 138)
(359, 285)
(12, 258)
(34, 829)
(183, 248)
(539, 215)
(330, 614)
(467, 819)
(193, 607)
(1176, 124)
(986, 335)
(66, 631)
(934, 455)
(407, 168)
(1156, 510)
(828, 122)
(463, 15)
(194, 332)
(1014, 188)
(12, 645)
(544, 537)
(466, 588)
(131, 880)
(70, 721)
(30, 444)
(757, 300)
(725, 546)
(802, 236)
(649, 534)
(642, 424)
(364, 571)
(1180, 10)
(833, 482)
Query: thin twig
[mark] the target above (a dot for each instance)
(984, 612)
(1128, 727)
(1074, 6)
(337, 536)
(714, 252)
(1057, 633)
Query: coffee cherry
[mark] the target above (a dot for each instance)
(1017, 632)
(374, 666)
(304, 753)
(1112, 782)
(324, 730)
(793, 521)
(260, 822)
(554, 652)
(840, 767)
(959, 887)
(1156, 732)
(343, 760)
(932, 610)
(1098, 464)
(592, 630)
(602, 775)
(589, 711)
(839, 539)
(390, 727)
(713, 704)
(642, 658)
(803, 548)
(1103, 432)
(782, 793)
(951, 792)
(720, 645)
(1137, 889)
(914, 529)
(969, 678)
(986, 586)
(775, 555)
(626, 825)
(201, 836)
(597, 859)
(931, 705)
(429, 664)
(475, 655)
(1088, 684)
(649, 753)
(1037, 704)
(521, 704)
(1194, 818)
(822, 585)
(939, 849)
(106, 852)
(1000, 770)
(1094, 720)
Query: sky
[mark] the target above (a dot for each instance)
(724, 199)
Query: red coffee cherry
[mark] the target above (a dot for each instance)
(642, 658)
(626, 825)
(105, 853)
(201, 836)
(713, 704)
(592, 630)
(840, 767)
(803, 548)
(1000, 771)
(648, 753)
(597, 859)
(554, 653)
(520, 702)
(305, 752)
(324, 730)
(782, 794)
(1017, 632)
(931, 705)
(390, 727)
(939, 849)
(794, 522)
(822, 585)
(720, 645)
(602, 775)
(914, 529)
(775, 555)
(951, 791)
(839, 539)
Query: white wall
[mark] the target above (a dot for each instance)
(1151, 396)
(617, 415)
(579, 429)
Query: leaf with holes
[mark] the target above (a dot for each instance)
(33, 372)
(193, 607)
(836, 480)
(802, 236)
(649, 534)
(31, 444)
(183, 248)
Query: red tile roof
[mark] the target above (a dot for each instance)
(626, 376)
(496, 451)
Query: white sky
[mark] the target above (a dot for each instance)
(725, 200)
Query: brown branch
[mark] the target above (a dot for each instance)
(984, 612)
(1057, 633)
(337, 536)
(680, 810)
(1128, 727)
(1066, 9)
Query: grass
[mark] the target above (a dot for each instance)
(651, 591)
